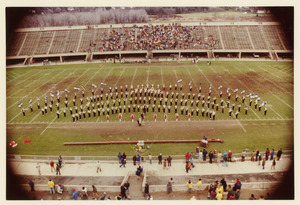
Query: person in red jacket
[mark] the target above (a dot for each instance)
(229, 156)
(187, 157)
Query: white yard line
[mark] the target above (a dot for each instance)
(27, 85)
(162, 76)
(206, 77)
(48, 125)
(75, 81)
(148, 73)
(26, 79)
(20, 76)
(133, 75)
(271, 82)
(241, 125)
(123, 71)
(272, 74)
(252, 92)
(32, 91)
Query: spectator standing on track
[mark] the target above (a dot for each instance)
(210, 155)
(267, 153)
(165, 164)
(272, 154)
(252, 156)
(150, 158)
(219, 155)
(52, 166)
(31, 184)
(230, 192)
(263, 163)
(123, 162)
(225, 157)
(51, 186)
(204, 154)
(187, 157)
(60, 160)
(279, 153)
(169, 159)
(139, 159)
(159, 159)
(229, 155)
(256, 155)
(123, 192)
(58, 169)
(200, 156)
(170, 185)
(224, 184)
(134, 158)
(98, 167)
(119, 157)
(38, 168)
(259, 159)
(273, 164)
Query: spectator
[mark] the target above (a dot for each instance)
(273, 164)
(58, 169)
(60, 161)
(200, 155)
(119, 157)
(75, 194)
(232, 196)
(224, 184)
(165, 164)
(279, 153)
(225, 159)
(267, 153)
(210, 155)
(272, 154)
(52, 166)
(213, 194)
(263, 163)
(252, 156)
(219, 196)
(123, 192)
(187, 157)
(259, 159)
(84, 193)
(229, 155)
(31, 184)
(159, 159)
(230, 192)
(199, 184)
(150, 158)
(189, 184)
(237, 194)
(261, 197)
(127, 185)
(108, 198)
(134, 158)
(139, 159)
(95, 193)
(119, 197)
(193, 198)
(204, 154)
(150, 197)
(123, 162)
(169, 159)
(51, 186)
(98, 167)
(243, 155)
(38, 168)
(252, 197)
(60, 188)
(146, 190)
(219, 155)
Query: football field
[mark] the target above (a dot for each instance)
(268, 84)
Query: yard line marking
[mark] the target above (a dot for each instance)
(48, 125)
(273, 74)
(175, 74)
(119, 77)
(205, 120)
(162, 76)
(105, 77)
(57, 84)
(33, 81)
(241, 125)
(19, 76)
(28, 78)
(271, 82)
(252, 92)
(190, 76)
(245, 102)
(32, 91)
(148, 73)
(206, 77)
(75, 81)
(133, 76)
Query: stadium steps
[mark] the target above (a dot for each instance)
(135, 189)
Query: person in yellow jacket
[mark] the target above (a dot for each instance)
(189, 184)
(199, 184)
(219, 196)
(51, 186)
(219, 189)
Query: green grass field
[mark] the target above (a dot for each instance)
(272, 81)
